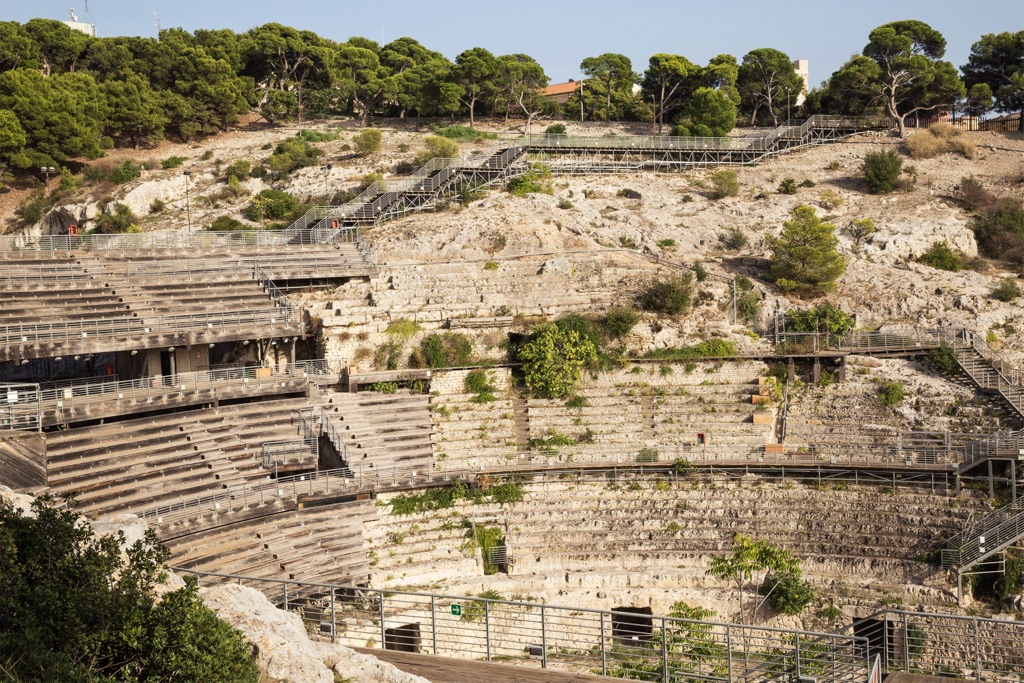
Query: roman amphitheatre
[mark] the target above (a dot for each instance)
(334, 414)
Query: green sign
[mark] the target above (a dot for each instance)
(456, 610)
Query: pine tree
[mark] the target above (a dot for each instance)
(804, 257)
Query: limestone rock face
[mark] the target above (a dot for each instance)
(18, 500)
(285, 652)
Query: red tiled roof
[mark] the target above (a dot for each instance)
(561, 88)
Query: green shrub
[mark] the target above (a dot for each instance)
(733, 238)
(748, 306)
(829, 200)
(478, 382)
(807, 182)
(670, 296)
(882, 170)
(463, 133)
(724, 183)
(821, 318)
(709, 348)
(619, 320)
(207, 155)
(446, 350)
(943, 359)
(385, 387)
(787, 592)
(555, 129)
(157, 205)
(805, 259)
(787, 186)
(125, 172)
(227, 224)
(239, 170)
(172, 162)
(316, 135)
(1000, 231)
(1006, 290)
(122, 220)
(666, 243)
(367, 141)
(860, 229)
(536, 180)
(892, 393)
(973, 194)
(258, 172)
(87, 608)
(270, 204)
(385, 356)
(437, 147)
(700, 271)
(553, 359)
(576, 402)
(292, 155)
(942, 257)
(403, 329)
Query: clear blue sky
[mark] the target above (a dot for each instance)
(559, 33)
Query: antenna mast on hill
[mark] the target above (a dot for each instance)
(157, 23)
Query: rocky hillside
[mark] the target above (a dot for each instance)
(674, 218)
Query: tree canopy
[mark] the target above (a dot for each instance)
(804, 256)
(997, 61)
(79, 607)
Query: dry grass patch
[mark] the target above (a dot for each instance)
(939, 138)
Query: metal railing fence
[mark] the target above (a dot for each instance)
(139, 328)
(20, 407)
(619, 644)
(363, 477)
(945, 644)
(12, 246)
(55, 404)
(985, 537)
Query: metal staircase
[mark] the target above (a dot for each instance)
(982, 365)
(442, 179)
(989, 536)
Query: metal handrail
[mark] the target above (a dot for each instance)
(986, 537)
(585, 638)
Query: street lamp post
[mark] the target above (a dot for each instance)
(188, 203)
(47, 170)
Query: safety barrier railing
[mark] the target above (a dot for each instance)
(1006, 445)
(987, 536)
(25, 276)
(366, 477)
(20, 407)
(619, 644)
(857, 342)
(62, 403)
(12, 246)
(304, 451)
(967, 648)
(138, 328)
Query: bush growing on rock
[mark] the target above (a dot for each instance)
(619, 320)
(437, 147)
(939, 138)
(724, 183)
(670, 296)
(1000, 231)
(292, 155)
(882, 170)
(1006, 290)
(942, 257)
(446, 350)
(892, 394)
(122, 220)
(239, 170)
(80, 607)
(367, 141)
(270, 204)
(536, 180)
(786, 592)
(821, 318)
(125, 172)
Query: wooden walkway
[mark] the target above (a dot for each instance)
(454, 670)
